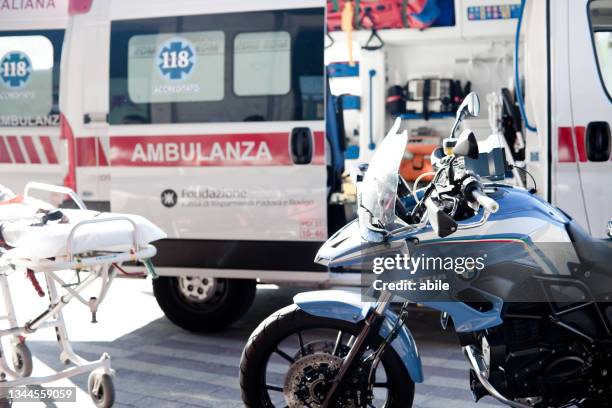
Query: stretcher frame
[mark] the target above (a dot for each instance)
(101, 265)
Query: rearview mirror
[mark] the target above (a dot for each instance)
(442, 223)
(470, 105)
(467, 145)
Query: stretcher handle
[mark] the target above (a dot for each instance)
(34, 185)
(98, 221)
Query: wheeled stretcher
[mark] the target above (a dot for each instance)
(70, 250)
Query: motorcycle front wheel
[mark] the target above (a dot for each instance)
(291, 358)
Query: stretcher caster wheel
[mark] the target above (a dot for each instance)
(101, 389)
(22, 360)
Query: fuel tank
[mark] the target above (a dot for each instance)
(522, 216)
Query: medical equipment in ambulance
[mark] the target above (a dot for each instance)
(69, 249)
(434, 93)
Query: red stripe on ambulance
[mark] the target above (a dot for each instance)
(580, 142)
(102, 161)
(86, 152)
(245, 149)
(45, 141)
(89, 152)
(15, 149)
(5, 157)
(30, 149)
(565, 150)
(319, 148)
(27, 152)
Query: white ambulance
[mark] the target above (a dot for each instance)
(31, 37)
(207, 118)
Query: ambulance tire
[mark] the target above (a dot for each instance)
(208, 316)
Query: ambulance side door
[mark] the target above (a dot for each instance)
(590, 65)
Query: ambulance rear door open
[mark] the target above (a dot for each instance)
(216, 134)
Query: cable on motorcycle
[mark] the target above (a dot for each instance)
(535, 186)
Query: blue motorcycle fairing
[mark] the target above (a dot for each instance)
(513, 200)
(347, 306)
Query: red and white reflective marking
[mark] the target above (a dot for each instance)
(28, 150)
(242, 149)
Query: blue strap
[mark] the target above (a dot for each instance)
(517, 79)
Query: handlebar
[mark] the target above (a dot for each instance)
(488, 203)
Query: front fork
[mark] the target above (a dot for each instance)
(371, 328)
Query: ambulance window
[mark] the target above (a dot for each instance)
(262, 63)
(29, 78)
(176, 67)
(601, 27)
(247, 66)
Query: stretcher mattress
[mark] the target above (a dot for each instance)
(31, 241)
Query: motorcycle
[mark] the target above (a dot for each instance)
(534, 318)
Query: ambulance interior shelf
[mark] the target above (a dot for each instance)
(427, 97)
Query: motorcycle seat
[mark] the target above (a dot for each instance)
(592, 252)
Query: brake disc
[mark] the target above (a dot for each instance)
(309, 379)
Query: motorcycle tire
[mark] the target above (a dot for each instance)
(291, 320)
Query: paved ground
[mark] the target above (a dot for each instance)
(160, 365)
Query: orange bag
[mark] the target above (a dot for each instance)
(417, 157)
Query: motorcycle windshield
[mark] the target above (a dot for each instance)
(379, 188)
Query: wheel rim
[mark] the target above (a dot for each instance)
(200, 294)
(280, 393)
(198, 289)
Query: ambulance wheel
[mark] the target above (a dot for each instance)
(203, 304)
(6, 403)
(22, 360)
(104, 395)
